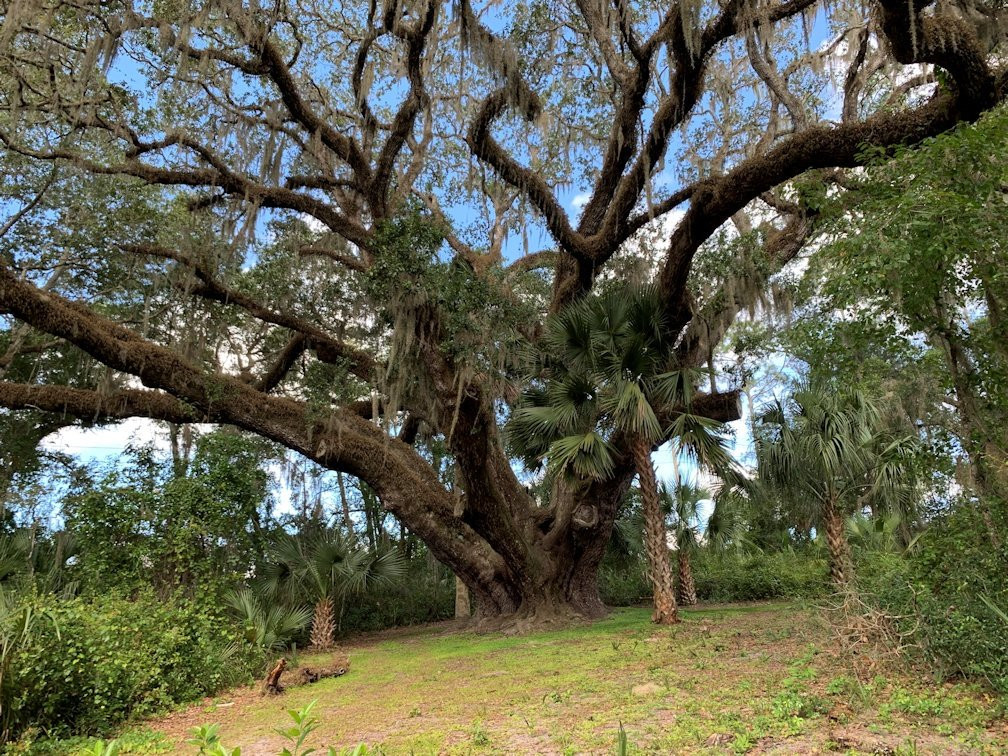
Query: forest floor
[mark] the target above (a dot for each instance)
(761, 678)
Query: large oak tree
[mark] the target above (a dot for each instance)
(354, 336)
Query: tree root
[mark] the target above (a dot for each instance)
(531, 619)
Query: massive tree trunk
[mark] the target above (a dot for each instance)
(655, 538)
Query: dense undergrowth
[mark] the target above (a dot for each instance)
(88, 664)
(92, 663)
(727, 577)
(949, 595)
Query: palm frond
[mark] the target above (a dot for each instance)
(588, 455)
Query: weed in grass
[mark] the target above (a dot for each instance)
(478, 736)
(850, 689)
(791, 704)
(207, 739)
(743, 743)
(622, 745)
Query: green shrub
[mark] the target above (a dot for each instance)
(623, 584)
(422, 594)
(724, 577)
(949, 593)
(760, 576)
(103, 660)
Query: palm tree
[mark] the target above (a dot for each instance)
(322, 568)
(607, 372)
(827, 447)
(682, 502)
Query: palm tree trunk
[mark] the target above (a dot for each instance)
(687, 586)
(841, 566)
(323, 624)
(655, 538)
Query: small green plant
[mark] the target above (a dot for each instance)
(622, 745)
(742, 743)
(795, 701)
(360, 749)
(305, 723)
(557, 696)
(480, 737)
(101, 748)
(207, 739)
(851, 688)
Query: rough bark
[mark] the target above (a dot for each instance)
(841, 565)
(462, 608)
(323, 628)
(655, 538)
(309, 675)
(686, 585)
(271, 685)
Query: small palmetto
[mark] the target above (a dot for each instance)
(682, 503)
(323, 568)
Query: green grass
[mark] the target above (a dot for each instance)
(726, 678)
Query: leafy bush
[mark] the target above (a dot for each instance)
(422, 594)
(97, 662)
(950, 593)
(725, 577)
(755, 577)
(623, 584)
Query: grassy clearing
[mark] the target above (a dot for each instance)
(745, 678)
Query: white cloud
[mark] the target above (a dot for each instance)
(90, 444)
(314, 224)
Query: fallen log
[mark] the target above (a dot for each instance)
(308, 675)
(302, 675)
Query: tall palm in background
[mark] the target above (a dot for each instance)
(322, 568)
(828, 448)
(682, 503)
(605, 372)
